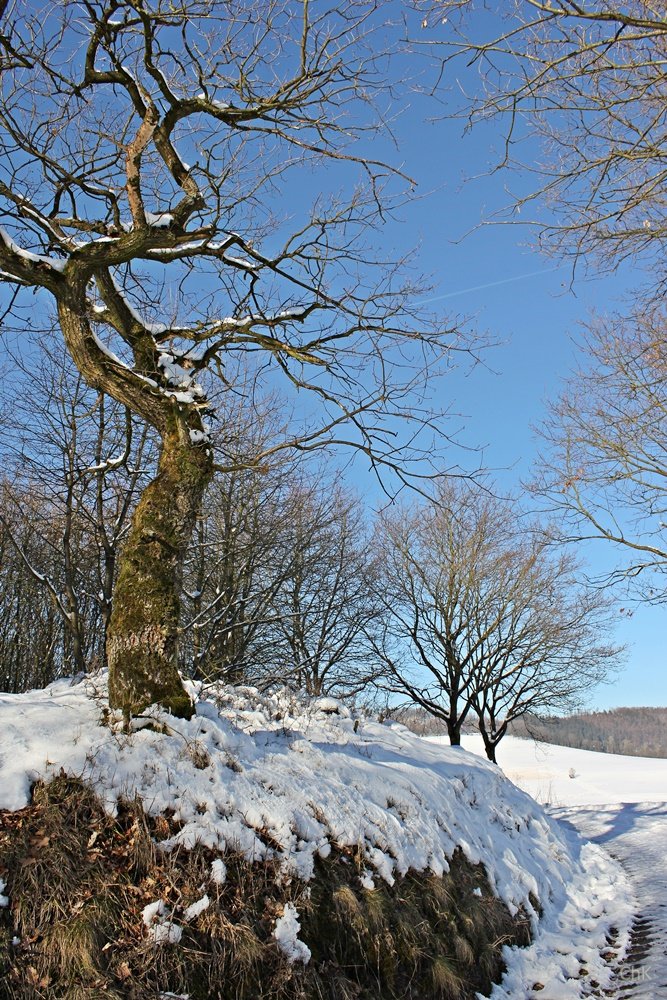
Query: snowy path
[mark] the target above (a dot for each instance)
(636, 834)
(619, 803)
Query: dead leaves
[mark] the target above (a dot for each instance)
(38, 843)
(34, 979)
(123, 971)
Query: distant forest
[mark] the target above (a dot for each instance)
(636, 732)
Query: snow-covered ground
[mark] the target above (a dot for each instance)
(543, 770)
(636, 834)
(619, 803)
(271, 777)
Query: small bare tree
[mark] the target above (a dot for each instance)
(432, 558)
(327, 608)
(483, 620)
(604, 467)
(144, 146)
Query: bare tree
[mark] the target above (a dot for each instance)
(29, 656)
(483, 620)
(327, 607)
(433, 557)
(74, 464)
(278, 582)
(143, 148)
(588, 82)
(548, 649)
(242, 550)
(604, 467)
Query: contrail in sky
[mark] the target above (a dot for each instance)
(490, 284)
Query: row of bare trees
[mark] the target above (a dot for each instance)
(291, 608)
(275, 585)
(456, 603)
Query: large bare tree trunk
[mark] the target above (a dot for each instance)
(454, 731)
(142, 635)
(143, 631)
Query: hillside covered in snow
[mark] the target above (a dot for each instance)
(287, 784)
(568, 776)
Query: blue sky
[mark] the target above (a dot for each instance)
(528, 304)
(531, 306)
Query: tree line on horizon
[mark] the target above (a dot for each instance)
(629, 731)
(633, 732)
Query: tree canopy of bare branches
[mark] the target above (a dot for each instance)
(327, 608)
(242, 549)
(588, 82)
(150, 152)
(483, 620)
(604, 465)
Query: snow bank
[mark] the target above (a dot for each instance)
(268, 777)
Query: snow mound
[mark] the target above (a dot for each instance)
(274, 778)
(158, 920)
(286, 933)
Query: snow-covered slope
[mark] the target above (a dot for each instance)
(266, 775)
(543, 770)
(620, 803)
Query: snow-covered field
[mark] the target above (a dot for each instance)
(543, 770)
(269, 776)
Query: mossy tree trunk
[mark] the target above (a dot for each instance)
(142, 638)
(143, 630)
